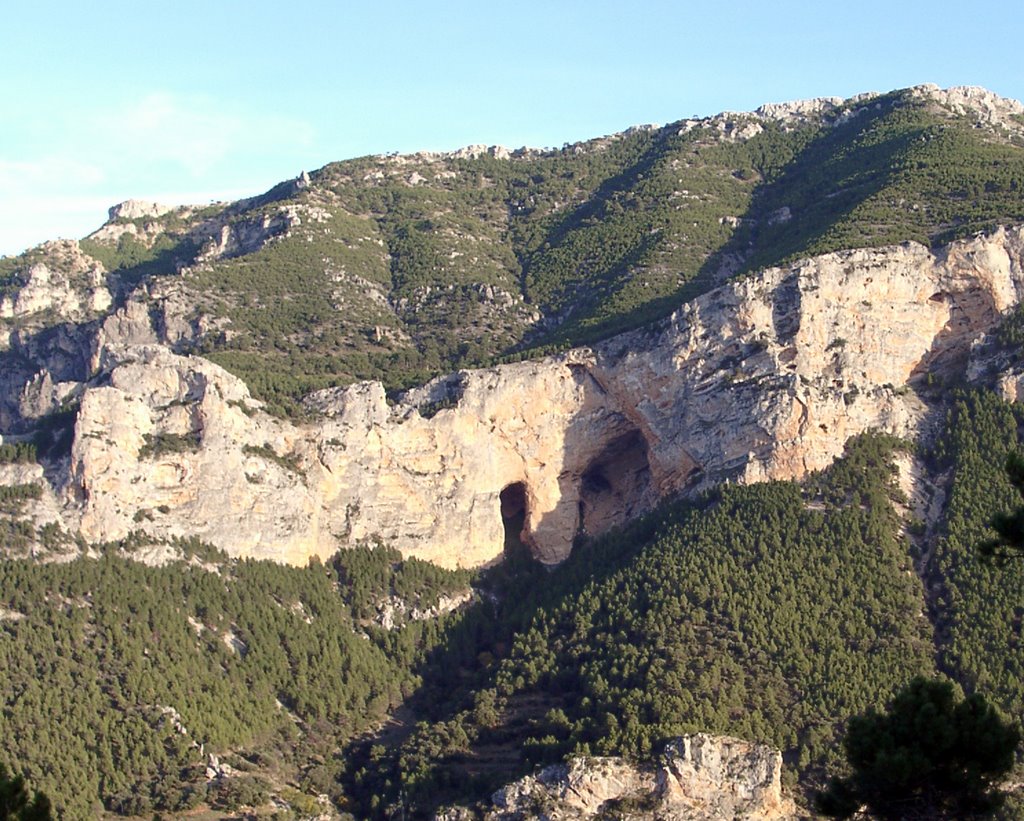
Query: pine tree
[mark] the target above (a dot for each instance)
(14, 800)
(930, 756)
(1009, 526)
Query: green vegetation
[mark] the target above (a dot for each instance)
(171, 246)
(13, 497)
(773, 612)
(900, 171)
(17, 453)
(978, 603)
(135, 260)
(770, 612)
(116, 677)
(1008, 525)
(10, 267)
(399, 269)
(15, 804)
(932, 755)
(367, 575)
(1010, 333)
(265, 451)
(158, 444)
(749, 614)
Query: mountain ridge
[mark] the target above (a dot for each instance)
(375, 276)
(291, 283)
(715, 412)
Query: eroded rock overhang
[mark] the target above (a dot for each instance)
(763, 378)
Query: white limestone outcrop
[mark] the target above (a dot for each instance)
(699, 777)
(763, 378)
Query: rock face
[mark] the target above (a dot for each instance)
(988, 108)
(169, 447)
(698, 778)
(703, 776)
(760, 379)
(247, 236)
(136, 209)
(66, 283)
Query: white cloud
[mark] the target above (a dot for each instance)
(48, 198)
(152, 147)
(195, 133)
(30, 219)
(27, 221)
(55, 172)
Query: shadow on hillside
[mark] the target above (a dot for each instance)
(473, 742)
(580, 290)
(166, 262)
(595, 207)
(465, 663)
(802, 209)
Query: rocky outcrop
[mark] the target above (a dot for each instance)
(46, 366)
(248, 233)
(162, 312)
(246, 236)
(48, 312)
(229, 231)
(699, 777)
(704, 776)
(65, 284)
(987, 108)
(173, 446)
(582, 788)
(137, 209)
(138, 219)
(763, 378)
(394, 611)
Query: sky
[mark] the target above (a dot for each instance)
(193, 102)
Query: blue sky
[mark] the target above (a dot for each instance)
(195, 101)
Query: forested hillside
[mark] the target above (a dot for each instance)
(979, 604)
(118, 680)
(772, 612)
(159, 676)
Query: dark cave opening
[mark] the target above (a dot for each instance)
(513, 517)
(615, 485)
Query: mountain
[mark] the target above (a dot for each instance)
(704, 407)
(394, 266)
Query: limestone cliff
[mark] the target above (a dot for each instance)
(698, 778)
(762, 378)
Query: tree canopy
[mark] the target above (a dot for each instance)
(1009, 525)
(15, 802)
(932, 755)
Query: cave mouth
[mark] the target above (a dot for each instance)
(615, 486)
(513, 517)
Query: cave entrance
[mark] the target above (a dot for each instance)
(615, 485)
(513, 517)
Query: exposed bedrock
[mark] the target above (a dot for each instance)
(698, 777)
(763, 378)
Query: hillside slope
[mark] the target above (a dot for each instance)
(399, 268)
(762, 378)
(374, 266)
(675, 333)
